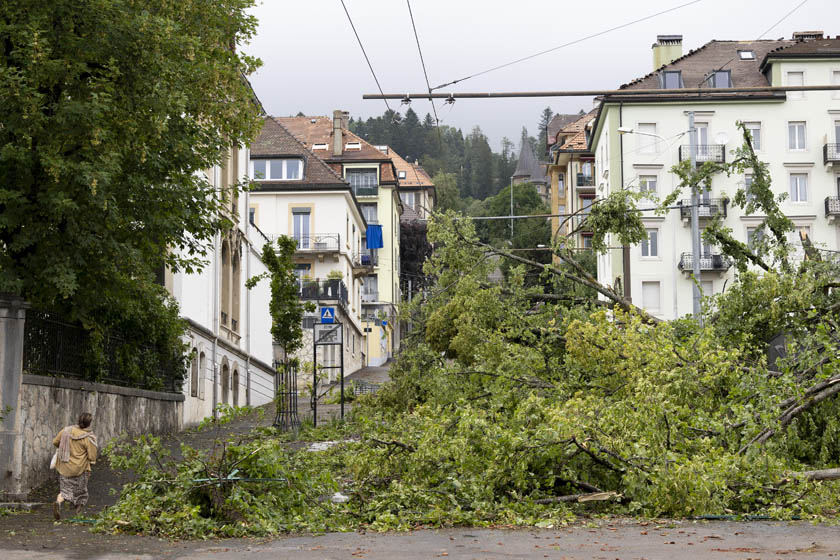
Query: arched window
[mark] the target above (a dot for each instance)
(225, 296)
(235, 387)
(194, 373)
(235, 291)
(225, 383)
(201, 369)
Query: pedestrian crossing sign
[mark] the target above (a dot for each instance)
(328, 314)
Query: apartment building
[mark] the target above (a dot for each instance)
(297, 194)
(636, 139)
(372, 176)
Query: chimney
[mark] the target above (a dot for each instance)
(338, 137)
(807, 35)
(345, 119)
(666, 49)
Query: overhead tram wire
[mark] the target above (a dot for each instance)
(426, 75)
(769, 29)
(570, 43)
(375, 79)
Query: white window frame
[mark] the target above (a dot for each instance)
(795, 95)
(658, 308)
(644, 180)
(759, 141)
(645, 143)
(646, 245)
(798, 199)
(835, 80)
(804, 136)
(269, 162)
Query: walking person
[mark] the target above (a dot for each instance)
(77, 451)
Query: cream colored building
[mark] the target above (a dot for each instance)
(797, 134)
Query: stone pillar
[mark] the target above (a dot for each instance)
(12, 318)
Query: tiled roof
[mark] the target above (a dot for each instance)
(577, 142)
(275, 140)
(812, 48)
(409, 214)
(319, 130)
(558, 122)
(696, 66)
(415, 176)
(528, 166)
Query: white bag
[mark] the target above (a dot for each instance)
(54, 460)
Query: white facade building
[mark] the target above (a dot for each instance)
(796, 134)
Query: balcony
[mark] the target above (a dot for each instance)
(319, 242)
(370, 297)
(583, 181)
(832, 208)
(831, 154)
(708, 263)
(324, 290)
(705, 152)
(366, 191)
(365, 260)
(706, 208)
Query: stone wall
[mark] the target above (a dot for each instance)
(49, 403)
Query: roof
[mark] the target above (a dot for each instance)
(275, 140)
(558, 122)
(410, 215)
(698, 64)
(319, 130)
(577, 141)
(528, 166)
(415, 176)
(812, 48)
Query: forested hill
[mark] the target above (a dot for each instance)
(478, 171)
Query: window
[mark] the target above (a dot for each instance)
(796, 135)
(319, 146)
(302, 271)
(362, 178)
(586, 241)
(647, 185)
(672, 79)
(748, 188)
(650, 246)
(300, 226)
(835, 79)
(586, 204)
(288, 169)
(401, 174)
(799, 187)
(746, 55)
(645, 142)
(252, 215)
(369, 211)
(707, 287)
(408, 199)
(795, 79)
(721, 79)
(754, 235)
(650, 296)
(754, 128)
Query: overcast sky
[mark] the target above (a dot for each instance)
(312, 62)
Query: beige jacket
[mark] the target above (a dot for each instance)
(83, 453)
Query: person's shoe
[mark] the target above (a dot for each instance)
(57, 511)
(77, 510)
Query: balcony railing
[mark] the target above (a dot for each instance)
(366, 191)
(704, 153)
(585, 180)
(319, 242)
(706, 208)
(368, 297)
(366, 258)
(324, 290)
(831, 153)
(832, 206)
(707, 262)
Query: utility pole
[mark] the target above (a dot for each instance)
(511, 209)
(695, 218)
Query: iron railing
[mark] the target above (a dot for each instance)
(585, 180)
(832, 206)
(368, 297)
(704, 153)
(707, 262)
(366, 191)
(319, 242)
(831, 153)
(706, 207)
(286, 417)
(55, 348)
(324, 290)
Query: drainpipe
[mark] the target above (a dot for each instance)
(247, 292)
(625, 249)
(215, 322)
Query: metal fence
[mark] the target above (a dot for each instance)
(55, 348)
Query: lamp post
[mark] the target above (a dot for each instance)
(511, 209)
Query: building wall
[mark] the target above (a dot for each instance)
(818, 110)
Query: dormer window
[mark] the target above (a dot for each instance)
(401, 174)
(672, 79)
(721, 79)
(322, 146)
(353, 146)
(746, 55)
(280, 169)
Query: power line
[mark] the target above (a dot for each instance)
(375, 79)
(592, 36)
(783, 19)
(425, 74)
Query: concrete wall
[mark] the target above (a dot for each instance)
(50, 403)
